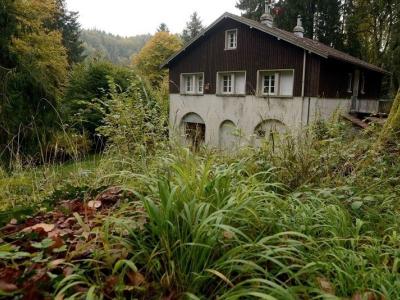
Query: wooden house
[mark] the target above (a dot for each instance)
(240, 81)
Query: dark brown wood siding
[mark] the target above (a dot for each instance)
(334, 80)
(255, 51)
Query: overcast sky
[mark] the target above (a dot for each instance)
(131, 17)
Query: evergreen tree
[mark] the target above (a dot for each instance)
(193, 28)
(67, 23)
(352, 43)
(328, 25)
(252, 9)
(163, 28)
(8, 28)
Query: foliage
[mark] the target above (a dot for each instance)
(163, 28)
(148, 61)
(193, 28)
(67, 23)
(32, 88)
(133, 120)
(291, 222)
(88, 83)
(362, 28)
(117, 49)
(391, 131)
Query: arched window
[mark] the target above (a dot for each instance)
(228, 138)
(195, 130)
(269, 130)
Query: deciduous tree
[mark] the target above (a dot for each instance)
(148, 61)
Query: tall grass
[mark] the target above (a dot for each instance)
(300, 222)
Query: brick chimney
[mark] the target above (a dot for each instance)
(299, 30)
(267, 18)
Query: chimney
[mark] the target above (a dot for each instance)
(299, 30)
(267, 19)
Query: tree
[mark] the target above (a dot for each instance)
(39, 63)
(163, 28)
(327, 23)
(391, 130)
(252, 9)
(89, 82)
(114, 48)
(193, 28)
(148, 61)
(67, 23)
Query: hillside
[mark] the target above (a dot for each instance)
(115, 48)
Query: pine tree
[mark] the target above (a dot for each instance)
(67, 23)
(163, 28)
(252, 9)
(328, 25)
(193, 28)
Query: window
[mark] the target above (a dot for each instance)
(189, 84)
(275, 83)
(231, 83)
(231, 39)
(200, 84)
(227, 87)
(362, 83)
(269, 84)
(350, 83)
(192, 84)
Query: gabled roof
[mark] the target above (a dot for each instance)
(307, 44)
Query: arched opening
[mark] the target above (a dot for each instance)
(228, 138)
(195, 130)
(269, 130)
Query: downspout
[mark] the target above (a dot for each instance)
(303, 82)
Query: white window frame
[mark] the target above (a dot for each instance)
(362, 83)
(196, 84)
(220, 83)
(228, 45)
(275, 77)
(230, 83)
(277, 86)
(350, 82)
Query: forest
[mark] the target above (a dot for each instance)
(98, 202)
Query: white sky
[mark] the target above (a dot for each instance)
(131, 17)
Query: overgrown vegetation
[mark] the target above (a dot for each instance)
(298, 221)
(310, 216)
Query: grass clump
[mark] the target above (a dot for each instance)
(298, 221)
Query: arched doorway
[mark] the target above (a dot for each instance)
(227, 135)
(195, 130)
(269, 130)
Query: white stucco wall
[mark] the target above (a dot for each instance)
(249, 111)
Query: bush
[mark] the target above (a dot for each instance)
(89, 82)
(133, 119)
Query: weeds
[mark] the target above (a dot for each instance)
(299, 222)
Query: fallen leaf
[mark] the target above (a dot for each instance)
(229, 235)
(136, 278)
(58, 242)
(55, 263)
(94, 204)
(68, 271)
(325, 285)
(7, 287)
(13, 222)
(43, 226)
